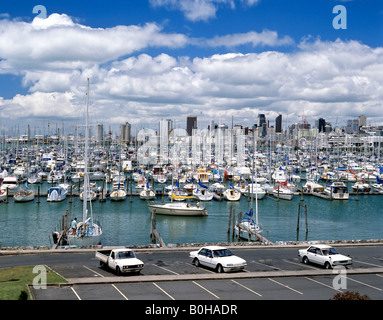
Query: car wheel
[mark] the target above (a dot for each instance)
(118, 271)
(305, 260)
(196, 262)
(327, 265)
(219, 268)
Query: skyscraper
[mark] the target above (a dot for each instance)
(191, 123)
(278, 124)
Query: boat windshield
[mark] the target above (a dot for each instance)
(222, 253)
(125, 255)
(329, 251)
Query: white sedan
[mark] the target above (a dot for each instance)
(324, 255)
(219, 258)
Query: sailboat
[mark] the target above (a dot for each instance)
(87, 232)
(248, 228)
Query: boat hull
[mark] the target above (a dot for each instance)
(173, 209)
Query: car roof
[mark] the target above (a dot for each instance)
(213, 247)
(321, 246)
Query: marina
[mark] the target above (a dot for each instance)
(221, 185)
(128, 223)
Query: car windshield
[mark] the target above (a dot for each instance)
(222, 253)
(125, 255)
(329, 251)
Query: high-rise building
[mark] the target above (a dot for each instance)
(278, 124)
(321, 125)
(261, 120)
(191, 123)
(125, 132)
(99, 133)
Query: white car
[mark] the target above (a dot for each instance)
(219, 258)
(324, 255)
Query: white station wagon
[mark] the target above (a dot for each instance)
(219, 258)
(324, 255)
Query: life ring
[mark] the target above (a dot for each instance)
(74, 186)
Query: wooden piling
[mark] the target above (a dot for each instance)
(228, 226)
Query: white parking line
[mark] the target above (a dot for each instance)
(99, 274)
(119, 292)
(266, 265)
(366, 284)
(258, 294)
(205, 289)
(74, 291)
(163, 290)
(370, 264)
(323, 284)
(166, 269)
(300, 264)
(285, 286)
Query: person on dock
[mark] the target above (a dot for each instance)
(74, 225)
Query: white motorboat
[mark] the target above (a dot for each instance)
(312, 186)
(178, 209)
(11, 183)
(337, 190)
(34, 179)
(3, 194)
(231, 195)
(282, 192)
(360, 186)
(56, 194)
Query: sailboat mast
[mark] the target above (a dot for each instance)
(85, 193)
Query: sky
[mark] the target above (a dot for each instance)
(220, 60)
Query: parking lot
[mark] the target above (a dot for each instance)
(271, 274)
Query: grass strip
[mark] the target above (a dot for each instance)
(14, 281)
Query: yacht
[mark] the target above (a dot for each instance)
(11, 183)
(337, 190)
(57, 194)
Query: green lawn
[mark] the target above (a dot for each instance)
(14, 281)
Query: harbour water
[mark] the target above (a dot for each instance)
(128, 222)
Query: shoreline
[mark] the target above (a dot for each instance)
(171, 246)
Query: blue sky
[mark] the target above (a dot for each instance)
(217, 59)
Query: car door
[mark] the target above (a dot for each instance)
(312, 254)
(202, 257)
(112, 261)
(317, 256)
(210, 258)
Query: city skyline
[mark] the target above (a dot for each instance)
(218, 60)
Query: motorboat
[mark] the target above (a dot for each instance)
(360, 186)
(3, 194)
(178, 209)
(231, 195)
(282, 192)
(57, 193)
(337, 190)
(11, 183)
(313, 186)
